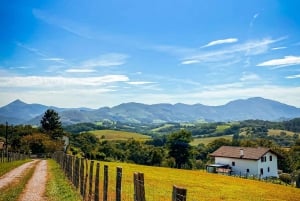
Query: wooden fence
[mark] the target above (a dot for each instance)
(11, 156)
(85, 176)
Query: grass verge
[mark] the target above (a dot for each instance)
(13, 191)
(58, 187)
(8, 166)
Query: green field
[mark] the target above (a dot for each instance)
(199, 184)
(207, 140)
(118, 135)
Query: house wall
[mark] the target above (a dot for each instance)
(241, 166)
(254, 166)
(271, 165)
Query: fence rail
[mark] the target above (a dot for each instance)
(11, 156)
(87, 181)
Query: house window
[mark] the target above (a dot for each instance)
(233, 163)
(268, 169)
(261, 171)
(262, 159)
(270, 158)
(248, 170)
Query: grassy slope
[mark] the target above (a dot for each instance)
(277, 132)
(7, 166)
(58, 188)
(118, 135)
(207, 140)
(200, 185)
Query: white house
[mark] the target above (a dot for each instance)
(260, 162)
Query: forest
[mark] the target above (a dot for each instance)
(169, 145)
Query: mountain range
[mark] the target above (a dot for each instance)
(18, 112)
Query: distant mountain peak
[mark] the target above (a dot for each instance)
(18, 102)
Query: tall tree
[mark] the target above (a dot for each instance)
(179, 147)
(51, 124)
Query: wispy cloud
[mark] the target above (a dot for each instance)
(53, 59)
(139, 82)
(255, 16)
(67, 25)
(278, 48)
(233, 52)
(221, 41)
(106, 60)
(249, 77)
(77, 70)
(293, 76)
(278, 63)
(58, 81)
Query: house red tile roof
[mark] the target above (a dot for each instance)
(235, 152)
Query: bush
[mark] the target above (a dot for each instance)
(286, 178)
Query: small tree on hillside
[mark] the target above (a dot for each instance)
(51, 124)
(179, 147)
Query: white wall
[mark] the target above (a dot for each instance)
(254, 166)
(272, 165)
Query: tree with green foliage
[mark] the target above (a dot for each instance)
(51, 124)
(179, 147)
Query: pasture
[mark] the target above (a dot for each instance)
(118, 135)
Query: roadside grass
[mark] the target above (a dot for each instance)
(8, 166)
(58, 187)
(199, 184)
(14, 190)
(207, 140)
(118, 135)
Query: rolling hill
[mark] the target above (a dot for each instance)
(19, 112)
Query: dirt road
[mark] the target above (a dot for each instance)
(15, 174)
(35, 188)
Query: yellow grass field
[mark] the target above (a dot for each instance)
(207, 140)
(277, 132)
(199, 184)
(118, 135)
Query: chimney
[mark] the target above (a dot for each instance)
(241, 153)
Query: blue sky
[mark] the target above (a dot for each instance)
(102, 53)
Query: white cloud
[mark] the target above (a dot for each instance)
(73, 70)
(293, 76)
(106, 60)
(44, 82)
(193, 61)
(222, 41)
(139, 83)
(279, 48)
(53, 59)
(233, 52)
(249, 77)
(286, 61)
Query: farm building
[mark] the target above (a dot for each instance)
(246, 161)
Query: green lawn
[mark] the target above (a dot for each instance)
(7, 166)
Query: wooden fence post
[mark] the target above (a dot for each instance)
(179, 194)
(86, 179)
(105, 184)
(119, 184)
(82, 177)
(139, 187)
(90, 196)
(97, 183)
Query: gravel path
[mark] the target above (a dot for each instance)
(15, 174)
(35, 188)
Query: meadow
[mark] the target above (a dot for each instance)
(199, 184)
(207, 140)
(118, 135)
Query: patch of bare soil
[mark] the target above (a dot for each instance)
(15, 174)
(35, 188)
